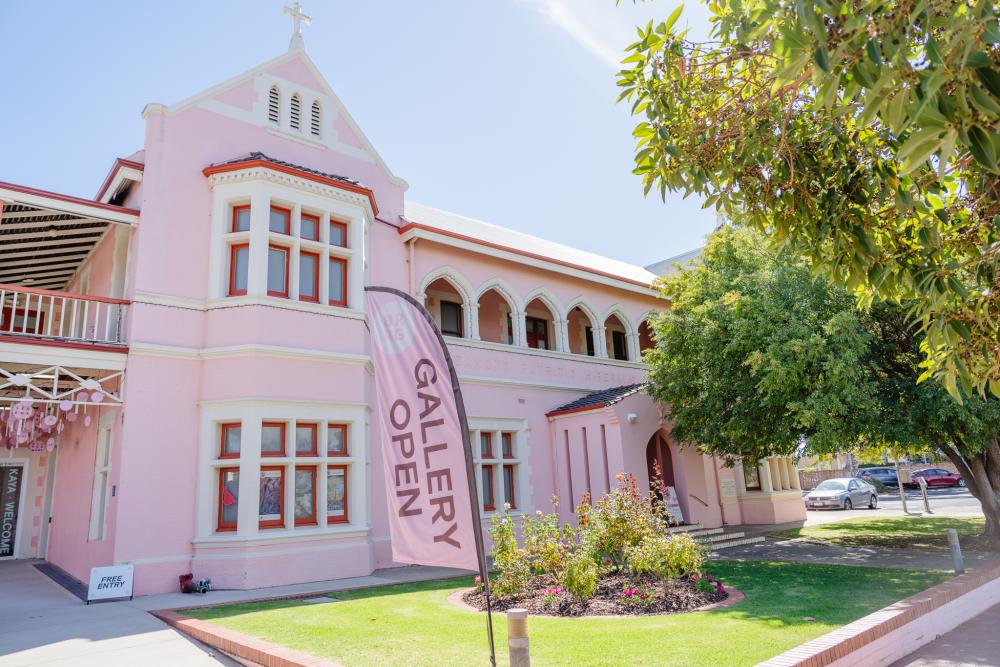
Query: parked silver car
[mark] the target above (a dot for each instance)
(842, 493)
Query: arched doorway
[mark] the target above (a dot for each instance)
(658, 456)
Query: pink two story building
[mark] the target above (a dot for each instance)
(185, 378)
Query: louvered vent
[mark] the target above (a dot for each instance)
(314, 127)
(274, 105)
(295, 112)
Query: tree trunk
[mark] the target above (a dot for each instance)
(982, 477)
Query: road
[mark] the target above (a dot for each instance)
(944, 502)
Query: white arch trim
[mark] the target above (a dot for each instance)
(504, 290)
(588, 310)
(617, 311)
(453, 277)
(550, 302)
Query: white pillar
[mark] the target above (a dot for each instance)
(633, 347)
(764, 470)
(600, 342)
(793, 473)
(473, 318)
(520, 329)
(562, 335)
(247, 511)
(260, 212)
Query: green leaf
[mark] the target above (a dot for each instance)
(978, 59)
(982, 101)
(821, 58)
(674, 15)
(990, 79)
(896, 111)
(874, 53)
(982, 148)
(933, 53)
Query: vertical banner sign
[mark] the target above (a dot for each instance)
(425, 456)
(10, 501)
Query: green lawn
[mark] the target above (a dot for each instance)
(414, 624)
(897, 532)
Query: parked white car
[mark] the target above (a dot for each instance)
(843, 493)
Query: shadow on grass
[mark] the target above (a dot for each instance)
(890, 532)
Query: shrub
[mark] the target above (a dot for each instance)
(580, 576)
(621, 519)
(512, 570)
(546, 543)
(666, 556)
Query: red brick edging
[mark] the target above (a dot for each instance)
(241, 645)
(841, 643)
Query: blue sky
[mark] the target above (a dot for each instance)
(501, 110)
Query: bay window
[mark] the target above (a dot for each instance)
(309, 226)
(280, 220)
(338, 281)
(303, 469)
(241, 218)
(239, 263)
(308, 276)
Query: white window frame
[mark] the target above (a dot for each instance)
(101, 495)
(522, 468)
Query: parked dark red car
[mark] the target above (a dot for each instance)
(937, 477)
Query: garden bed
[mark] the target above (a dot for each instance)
(617, 595)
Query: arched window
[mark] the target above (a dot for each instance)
(274, 105)
(314, 119)
(296, 108)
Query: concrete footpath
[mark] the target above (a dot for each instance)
(43, 624)
(975, 643)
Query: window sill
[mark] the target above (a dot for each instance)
(285, 304)
(281, 535)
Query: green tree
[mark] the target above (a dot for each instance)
(862, 135)
(756, 356)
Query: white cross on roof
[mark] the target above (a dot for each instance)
(298, 19)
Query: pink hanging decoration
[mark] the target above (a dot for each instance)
(71, 417)
(86, 420)
(97, 396)
(22, 410)
(65, 406)
(50, 420)
(50, 444)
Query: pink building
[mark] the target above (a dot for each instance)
(184, 361)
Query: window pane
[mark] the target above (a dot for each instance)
(336, 440)
(231, 439)
(451, 318)
(280, 220)
(241, 260)
(486, 445)
(277, 260)
(618, 345)
(508, 486)
(488, 502)
(308, 274)
(338, 234)
(338, 280)
(305, 494)
(309, 227)
(305, 439)
(241, 219)
(751, 474)
(272, 439)
(336, 493)
(229, 496)
(271, 496)
(507, 441)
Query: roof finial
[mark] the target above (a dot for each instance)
(298, 19)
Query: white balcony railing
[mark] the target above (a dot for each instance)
(61, 316)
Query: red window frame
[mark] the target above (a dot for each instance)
(232, 268)
(315, 297)
(279, 522)
(460, 332)
(224, 526)
(288, 219)
(312, 520)
(488, 454)
(315, 219)
(343, 228)
(507, 445)
(284, 440)
(343, 434)
(512, 499)
(489, 502)
(223, 454)
(315, 440)
(234, 226)
(343, 282)
(347, 495)
(287, 251)
(9, 314)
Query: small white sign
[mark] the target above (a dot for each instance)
(674, 505)
(728, 487)
(111, 582)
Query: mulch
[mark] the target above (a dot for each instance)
(664, 597)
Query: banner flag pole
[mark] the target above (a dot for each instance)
(467, 446)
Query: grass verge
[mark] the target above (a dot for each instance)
(414, 624)
(897, 532)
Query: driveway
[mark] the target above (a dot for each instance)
(973, 644)
(43, 624)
